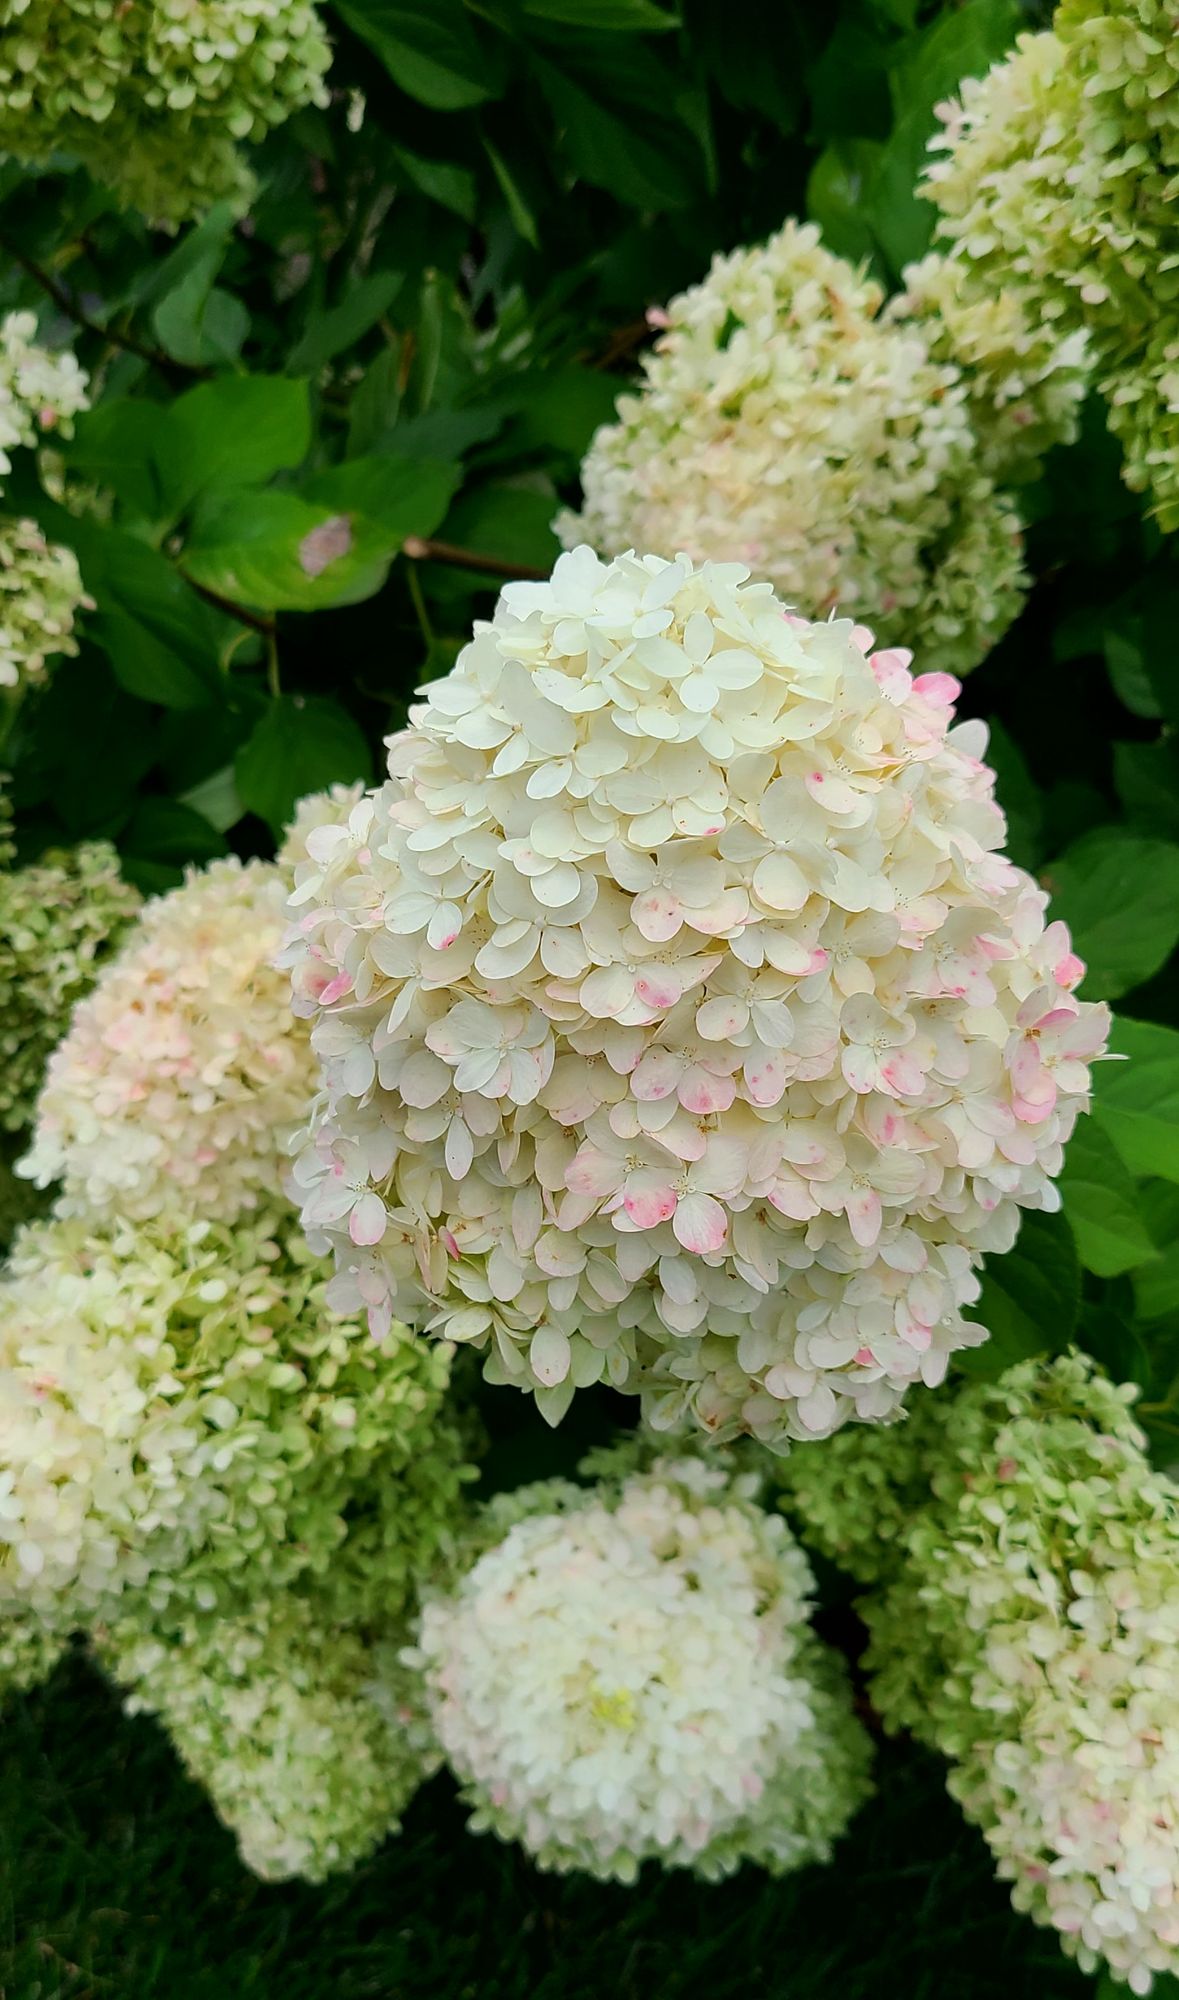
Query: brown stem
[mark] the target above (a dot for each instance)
(256, 620)
(177, 371)
(445, 552)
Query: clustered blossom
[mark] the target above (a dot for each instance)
(40, 594)
(184, 1420)
(41, 392)
(293, 1728)
(155, 99)
(183, 1070)
(1055, 192)
(1028, 1630)
(60, 920)
(633, 1678)
(681, 1024)
(787, 423)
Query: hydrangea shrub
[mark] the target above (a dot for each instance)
(632, 1677)
(682, 1024)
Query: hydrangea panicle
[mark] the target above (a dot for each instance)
(681, 1023)
(633, 1677)
(183, 1071)
(786, 422)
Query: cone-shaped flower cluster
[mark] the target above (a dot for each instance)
(182, 1418)
(40, 592)
(786, 423)
(182, 1073)
(155, 97)
(1055, 193)
(630, 1675)
(1028, 1630)
(59, 922)
(294, 1729)
(40, 392)
(681, 1023)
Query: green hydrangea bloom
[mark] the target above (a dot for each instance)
(155, 97)
(184, 1423)
(60, 920)
(297, 1729)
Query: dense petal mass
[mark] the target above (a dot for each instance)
(631, 1675)
(786, 422)
(707, 1028)
(182, 1071)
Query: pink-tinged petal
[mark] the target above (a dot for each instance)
(659, 987)
(656, 1076)
(657, 916)
(941, 690)
(861, 1067)
(593, 1174)
(833, 794)
(366, 1224)
(444, 926)
(335, 989)
(704, 1094)
(864, 1215)
(901, 1076)
(648, 1200)
(605, 992)
(700, 1224)
(721, 1018)
(765, 1077)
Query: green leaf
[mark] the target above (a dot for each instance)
(958, 43)
(1126, 664)
(1137, 1101)
(523, 219)
(277, 552)
(1030, 1297)
(237, 431)
(195, 321)
(612, 103)
(1018, 795)
(217, 799)
(451, 186)
(1101, 1203)
(398, 496)
(114, 444)
(839, 182)
(1156, 1286)
(616, 17)
(430, 49)
(563, 410)
(162, 642)
(328, 333)
(511, 523)
(1119, 894)
(300, 745)
(164, 837)
(1147, 780)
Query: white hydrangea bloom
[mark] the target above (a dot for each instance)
(40, 593)
(39, 391)
(293, 1728)
(784, 422)
(634, 1678)
(681, 1023)
(316, 809)
(183, 1070)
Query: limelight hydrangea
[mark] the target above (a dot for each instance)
(40, 593)
(183, 1071)
(291, 1726)
(182, 1417)
(633, 1678)
(59, 922)
(40, 391)
(785, 423)
(28, 1652)
(1056, 201)
(155, 97)
(1029, 1632)
(681, 1023)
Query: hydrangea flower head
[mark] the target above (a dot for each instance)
(293, 1726)
(786, 422)
(156, 98)
(41, 392)
(681, 1023)
(183, 1070)
(633, 1677)
(183, 1419)
(60, 920)
(1028, 1630)
(40, 594)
